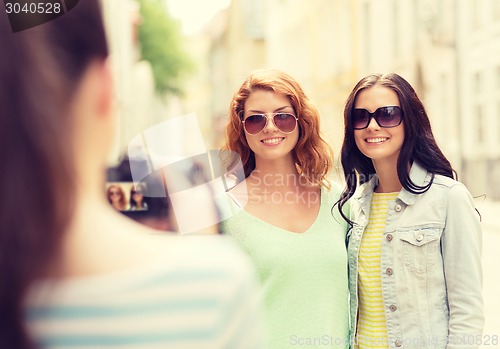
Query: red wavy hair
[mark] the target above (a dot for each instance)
(312, 155)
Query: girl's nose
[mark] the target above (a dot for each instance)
(270, 127)
(373, 124)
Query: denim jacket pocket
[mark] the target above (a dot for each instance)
(421, 250)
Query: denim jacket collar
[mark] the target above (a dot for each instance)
(420, 177)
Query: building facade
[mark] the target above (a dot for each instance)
(449, 50)
(133, 78)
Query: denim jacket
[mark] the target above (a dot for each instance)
(430, 264)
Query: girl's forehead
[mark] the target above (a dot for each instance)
(376, 95)
(265, 100)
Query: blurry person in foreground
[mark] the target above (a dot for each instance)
(74, 272)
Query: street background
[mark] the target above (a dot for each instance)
(449, 50)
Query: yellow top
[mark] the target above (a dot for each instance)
(372, 329)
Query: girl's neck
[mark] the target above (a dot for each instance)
(388, 180)
(275, 166)
(275, 174)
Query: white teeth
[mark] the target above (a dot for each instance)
(376, 140)
(272, 140)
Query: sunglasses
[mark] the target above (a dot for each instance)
(285, 122)
(386, 117)
(114, 193)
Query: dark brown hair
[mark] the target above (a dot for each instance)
(40, 69)
(419, 143)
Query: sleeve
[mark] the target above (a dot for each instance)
(461, 246)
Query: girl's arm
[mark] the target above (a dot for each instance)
(461, 248)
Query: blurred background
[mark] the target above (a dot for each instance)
(174, 57)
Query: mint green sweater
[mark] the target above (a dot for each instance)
(303, 276)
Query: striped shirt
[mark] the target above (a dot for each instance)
(200, 295)
(372, 329)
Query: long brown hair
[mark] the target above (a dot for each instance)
(123, 201)
(312, 155)
(40, 69)
(419, 143)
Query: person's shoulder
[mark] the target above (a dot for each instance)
(449, 189)
(333, 194)
(140, 244)
(445, 181)
(218, 265)
(334, 190)
(200, 246)
(208, 259)
(214, 247)
(449, 184)
(208, 268)
(216, 252)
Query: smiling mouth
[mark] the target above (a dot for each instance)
(272, 140)
(376, 140)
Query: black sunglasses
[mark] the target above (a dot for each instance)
(285, 122)
(386, 117)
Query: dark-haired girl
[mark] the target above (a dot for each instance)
(137, 200)
(415, 244)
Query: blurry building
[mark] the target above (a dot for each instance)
(417, 39)
(245, 40)
(228, 49)
(478, 56)
(133, 78)
(449, 50)
(317, 42)
(207, 92)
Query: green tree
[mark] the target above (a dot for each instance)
(160, 41)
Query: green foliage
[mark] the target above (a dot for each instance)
(160, 41)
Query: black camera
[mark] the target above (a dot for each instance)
(178, 197)
(145, 201)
